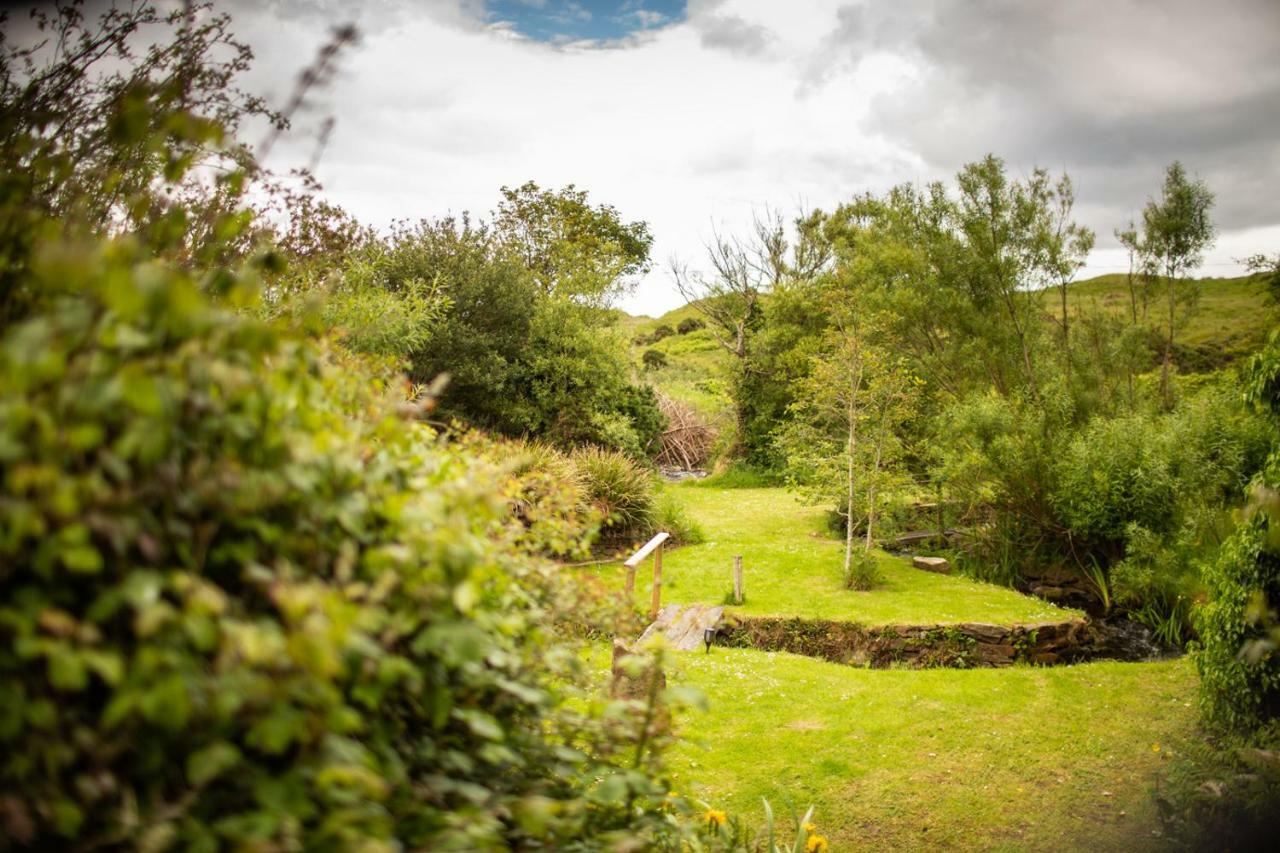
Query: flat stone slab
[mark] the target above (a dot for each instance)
(682, 627)
(932, 564)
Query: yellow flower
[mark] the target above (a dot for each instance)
(715, 817)
(815, 844)
(1155, 747)
(810, 827)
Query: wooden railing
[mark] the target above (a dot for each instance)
(654, 547)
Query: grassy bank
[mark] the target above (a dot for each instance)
(791, 568)
(1026, 758)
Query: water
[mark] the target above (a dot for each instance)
(675, 475)
(1119, 638)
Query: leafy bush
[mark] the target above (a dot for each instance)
(1238, 692)
(863, 572)
(371, 319)
(654, 359)
(1159, 580)
(690, 324)
(545, 492)
(639, 405)
(1113, 474)
(670, 516)
(1223, 793)
(1239, 672)
(740, 475)
(244, 603)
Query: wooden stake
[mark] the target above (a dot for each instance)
(942, 518)
(631, 581)
(737, 580)
(656, 602)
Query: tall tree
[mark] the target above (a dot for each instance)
(999, 223)
(1138, 280)
(730, 294)
(574, 250)
(1064, 246)
(1142, 269)
(1178, 230)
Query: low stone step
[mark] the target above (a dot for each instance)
(932, 564)
(682, 626)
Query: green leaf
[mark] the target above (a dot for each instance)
(67, 670)
(480, 723)
(612, 789)
(83, 559)
(167, 703)
(108, 665)
(208, 763)
(277, 730)
(67, 817)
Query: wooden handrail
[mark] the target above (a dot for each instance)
(638, 557)
(654, 547)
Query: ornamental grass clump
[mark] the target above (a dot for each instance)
(622, 491)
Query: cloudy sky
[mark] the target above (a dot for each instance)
(693, 115)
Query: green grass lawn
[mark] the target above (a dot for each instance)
(792, 568)
(1056, 758)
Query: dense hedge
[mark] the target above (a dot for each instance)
(243, 601)
(1237, 659)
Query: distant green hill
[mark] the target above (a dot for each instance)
(696, 364)
(1231, 320)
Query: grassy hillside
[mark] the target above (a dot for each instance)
(1230, 320)
(1231, 317)
(696, 369)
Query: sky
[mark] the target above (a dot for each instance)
(696, 116)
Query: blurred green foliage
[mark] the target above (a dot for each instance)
(248, 597)
(1239, 668)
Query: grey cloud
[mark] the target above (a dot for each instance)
(1110, 91)
(732, 33)
(371, 16)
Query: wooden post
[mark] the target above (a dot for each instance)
(656, 602)
(737, 579)
(942, 518)
(631, 582)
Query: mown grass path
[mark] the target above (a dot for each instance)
(1057, 758)
(793, 569)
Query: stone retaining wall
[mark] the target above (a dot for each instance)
(967, 644)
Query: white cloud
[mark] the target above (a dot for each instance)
(435, 113)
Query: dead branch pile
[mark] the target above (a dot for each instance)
(686, 443)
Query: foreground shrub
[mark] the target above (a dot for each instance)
(1223, 793)
(244, 603)
(1237, 660)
